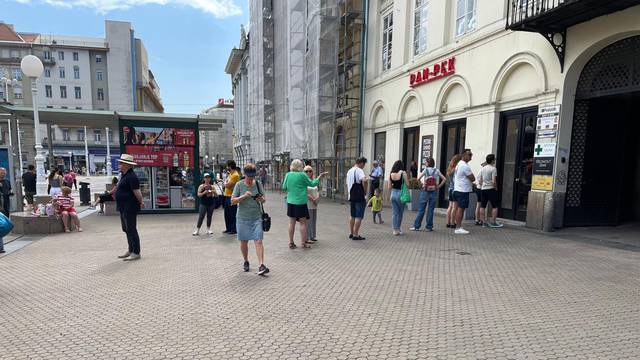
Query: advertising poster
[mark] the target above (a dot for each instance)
(139, 135)
(165, 156)
(542, 182)
(427, 148)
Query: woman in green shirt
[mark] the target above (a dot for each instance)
(295, 185)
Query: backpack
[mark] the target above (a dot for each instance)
(431, 183)
(68, 179)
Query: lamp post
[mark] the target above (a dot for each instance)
(108, 160)
(8, 82)
(32, 67)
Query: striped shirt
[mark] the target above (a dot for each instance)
(65, 202)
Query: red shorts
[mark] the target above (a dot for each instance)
(70, 210)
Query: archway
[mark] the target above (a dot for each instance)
(603, 185)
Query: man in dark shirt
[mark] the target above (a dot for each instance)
(29, 179)
(128, 203)
(5, 191)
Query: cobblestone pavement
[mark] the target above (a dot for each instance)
(516, 295)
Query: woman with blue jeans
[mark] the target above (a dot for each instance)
(429, 194)
(397, 178)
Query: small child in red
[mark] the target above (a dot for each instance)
(64, 206)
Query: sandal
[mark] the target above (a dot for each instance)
(306, 246)
(292, 246)
(309, 242)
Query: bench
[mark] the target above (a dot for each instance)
(25, 223)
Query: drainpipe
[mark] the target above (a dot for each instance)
(363, 72)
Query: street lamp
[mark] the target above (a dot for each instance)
(32, 67)
(8, 82)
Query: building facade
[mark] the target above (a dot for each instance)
(109, 73)
(552, 97)
(216, 147)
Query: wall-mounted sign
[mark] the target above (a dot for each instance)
(542, 182)
(543, 165)
(548, 117)
(544, 150)
(433, 72)
(427, 148)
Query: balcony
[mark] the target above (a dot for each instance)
(552, 18)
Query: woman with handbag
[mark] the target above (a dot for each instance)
(249, 196)
(207, 194)
(398, 179)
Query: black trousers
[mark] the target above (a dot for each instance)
(6, 205)
(129, 226)
(230, 215)
(375, 183)
(205, 210)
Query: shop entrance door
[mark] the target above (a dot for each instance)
(410, 147)
(515, 162)
(453, 140)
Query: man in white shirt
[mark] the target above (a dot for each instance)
(356, 189)
(463, 186)
(489, 191)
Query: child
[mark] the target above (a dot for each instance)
(64, 206)
(376, 206)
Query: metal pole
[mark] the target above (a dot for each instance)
(108, 159)
(9, 128)
(41, 188)
(86, 152)
(19, 147)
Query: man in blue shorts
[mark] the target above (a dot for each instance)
(357, 183)
(462, 187)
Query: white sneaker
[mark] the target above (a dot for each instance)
(414, 229)
(209, 232)
(396, 233)
(461, 231)
(196, 232)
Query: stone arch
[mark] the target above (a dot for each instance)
(519, 71)
(379, 115)
(410, 106)
(455, 90)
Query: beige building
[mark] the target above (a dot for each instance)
(447, 75)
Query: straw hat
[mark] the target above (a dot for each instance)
(127, 159)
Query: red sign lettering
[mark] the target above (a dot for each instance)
(432, 73)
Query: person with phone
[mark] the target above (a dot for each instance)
(207, 195)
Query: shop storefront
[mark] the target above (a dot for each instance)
(166, 154)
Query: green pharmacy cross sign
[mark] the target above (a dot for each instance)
(538, 150)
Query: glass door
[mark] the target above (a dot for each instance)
(410, 153)
(453, 139)
(515, 163)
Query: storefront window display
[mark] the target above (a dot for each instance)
(167, 165)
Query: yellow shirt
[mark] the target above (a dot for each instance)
(232, 179)
(376, 203)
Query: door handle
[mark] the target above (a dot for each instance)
(517, 180)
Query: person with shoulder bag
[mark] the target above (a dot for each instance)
(433, 181)
(397, 179)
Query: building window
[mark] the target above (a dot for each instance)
(98, 75)
(16, 74)
(47, 73)
(465, 16)
(63, 92)
(420, 27)
(2, 95)
(14, 54)
(379, 146)
(17, 93)
(97, 135)
(100, 94)
(78, 92)
(98, 58)
(387, 40)
(76, 72)
(47, 91)
(80, 134)
(62, 73)
(78, 107)
(76, 57)
(65, 135)
(47, 55)
(63, 107)
(60, 55)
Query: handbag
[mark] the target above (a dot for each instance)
(405, 197)
(266, 219)
(5, 225)
(356, 193)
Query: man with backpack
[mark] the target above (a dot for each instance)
(433, 180)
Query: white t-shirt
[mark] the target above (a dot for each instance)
(355, 173)
(462, 182)
(486, 174)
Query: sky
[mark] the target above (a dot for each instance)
(188, 41)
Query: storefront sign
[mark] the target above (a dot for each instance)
(137, 135)
(427, 148)
(161, 156)
(544, 150)
(546, 136)
(542, 182)
(433, 72)
(543, 165)
(548, 117)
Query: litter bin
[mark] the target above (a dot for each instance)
(85, 194)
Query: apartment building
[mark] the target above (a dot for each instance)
(546, 85)
(216, 147)
(109, 73)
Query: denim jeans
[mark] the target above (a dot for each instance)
(397, 209)
(426, 198)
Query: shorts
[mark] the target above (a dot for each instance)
(70, 210)
(357, 209)
(489, 196)
(462, 198)
(451, 198)
(249, 229)
(297, 211)
(29, 196)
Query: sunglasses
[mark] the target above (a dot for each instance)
(308, 171)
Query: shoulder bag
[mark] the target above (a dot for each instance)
(405, 197)
(266, 219)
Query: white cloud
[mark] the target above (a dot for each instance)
(217, 8)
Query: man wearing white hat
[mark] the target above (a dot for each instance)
(128, 203)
